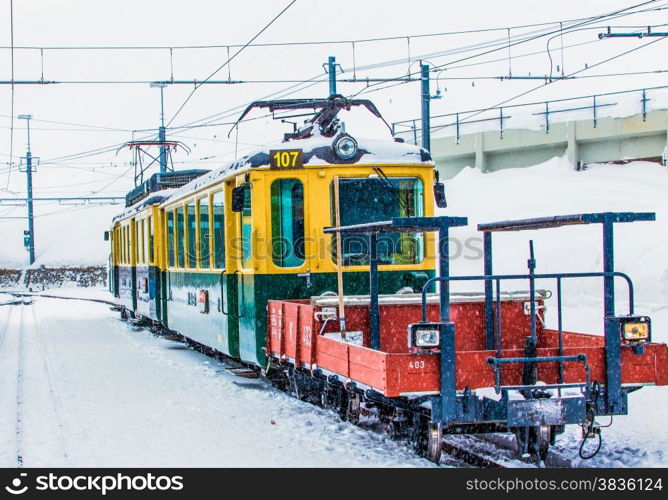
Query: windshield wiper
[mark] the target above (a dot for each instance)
(396, 193)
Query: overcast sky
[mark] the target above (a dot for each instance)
(135, 106)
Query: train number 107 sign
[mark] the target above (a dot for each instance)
(286, 159)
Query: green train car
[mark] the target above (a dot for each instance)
(201, 253)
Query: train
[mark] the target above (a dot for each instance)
(320, 263)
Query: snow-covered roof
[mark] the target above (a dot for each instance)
(317, 151)
(153, 199)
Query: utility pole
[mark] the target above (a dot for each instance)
(331, 70)
(31, 226)
(425, 98)
(162, 136)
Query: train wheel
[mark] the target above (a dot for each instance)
(353, 408)
(434, 443)
(534, 442)
(539, 441)
(341, 403)
(427, 438)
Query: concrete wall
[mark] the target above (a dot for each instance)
(612, 139)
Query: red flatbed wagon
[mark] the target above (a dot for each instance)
(435, 363)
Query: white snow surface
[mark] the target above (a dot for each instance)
(94, 392)
(99, 361)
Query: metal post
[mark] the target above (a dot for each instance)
(608, 266)
(161, 133)
(162, 136)
(547, 117)
(531, 264)
(31, 226)
(331, 70)
(444, 272)
(426, 121)
(374, 314)
(644, 105)
(530, 374)
(613, 383)
(446, 408)
(489, 306)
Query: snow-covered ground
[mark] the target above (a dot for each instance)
(554, 188)
(94, 392)
(101, 388)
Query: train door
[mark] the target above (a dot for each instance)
(212, 209)
(169, 262)
(114, 260)
(241, 248)
(134, 260)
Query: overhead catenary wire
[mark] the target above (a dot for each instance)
(503, 46)
(230, 59)
(533, 89)
(299, 86)
(342, 41)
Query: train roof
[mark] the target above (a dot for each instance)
(154, 198)
(317, 150)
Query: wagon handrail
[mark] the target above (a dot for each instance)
(497, 362)
(506, 277)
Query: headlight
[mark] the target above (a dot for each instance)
(427, 338)
(424, 336)
(636, 330)
(345, 147)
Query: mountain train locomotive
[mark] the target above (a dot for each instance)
(314, 263)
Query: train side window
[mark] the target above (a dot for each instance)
(191, 254)
(133, 242)
(246, 228)
(219, 230)
(204, 252)
(117, 247)
(180, 236)
(287, 222)
(142, 242)
(144, 246)
(170, 238)
(126, 247)
(149, 224)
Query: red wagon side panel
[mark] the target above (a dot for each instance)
(294, 332)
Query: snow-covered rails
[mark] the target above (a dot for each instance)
(491, 364)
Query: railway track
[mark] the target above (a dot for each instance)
(19, 387)
(51, 383)
(471, 451)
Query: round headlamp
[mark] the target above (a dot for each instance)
(345, 147)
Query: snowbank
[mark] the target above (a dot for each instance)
(554, 188)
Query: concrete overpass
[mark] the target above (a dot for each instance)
(607, 127)
(641, 136)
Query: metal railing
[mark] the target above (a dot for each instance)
(411, 126)
(496, 299)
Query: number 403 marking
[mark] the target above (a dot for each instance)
(418, 365)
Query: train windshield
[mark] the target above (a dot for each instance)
(380, 198)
